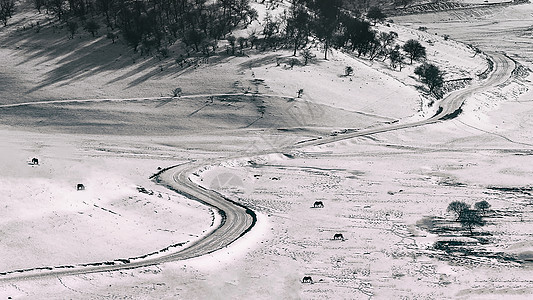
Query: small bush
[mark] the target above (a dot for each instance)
(176, 92)
(307, 55)
(348, 71)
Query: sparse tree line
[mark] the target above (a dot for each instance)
(154, 25)
(7, 9)
(337, 28)
(148, 25)
(329, 22)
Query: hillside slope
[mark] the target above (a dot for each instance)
(41, 62)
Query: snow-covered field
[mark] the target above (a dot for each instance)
(379, 191)
(46, 221)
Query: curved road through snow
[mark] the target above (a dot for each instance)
(237, 219)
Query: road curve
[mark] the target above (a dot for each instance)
(448, 107)
(237, 219)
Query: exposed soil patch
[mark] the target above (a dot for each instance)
(515, 190)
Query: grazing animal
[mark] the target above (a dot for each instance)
(307, 279)
(338, 236)
(34, 161)
(318, 204)
(80, 187)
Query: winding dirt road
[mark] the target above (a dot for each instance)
(449, 107)
(237, 219)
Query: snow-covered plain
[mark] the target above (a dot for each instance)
(377, 191)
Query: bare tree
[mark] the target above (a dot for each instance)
(252, 39)
(471, 218)
(297, 29)
(242, 41)
(231, 40)
(7, 9)
(307, 55)
(327, 14)
(72, 27)
(396, 58)
(483, 206)
(432, 76)
(387, 43)
(375, 14)
(414, 50)
(457, 207)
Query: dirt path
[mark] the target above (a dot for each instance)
(237, 219)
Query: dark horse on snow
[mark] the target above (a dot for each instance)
(307, 279)
(338, 236)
